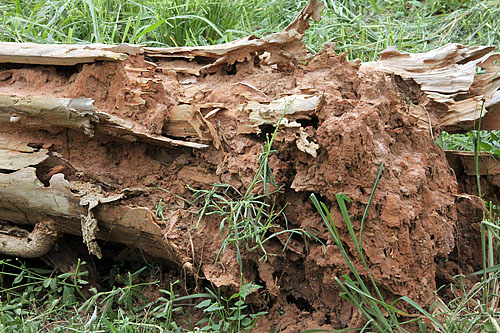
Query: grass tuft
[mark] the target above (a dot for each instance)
(360, 28)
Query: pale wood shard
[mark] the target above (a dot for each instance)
(305, 144)
(448, 69)
(253, 115)
(48, 112)
(63, 55)
(11, 160)
(15, 155)
(25, 200)
(53, 113)
(453, 90)
(289, 109)
(116, 126)
(187, 121)
(312, 10)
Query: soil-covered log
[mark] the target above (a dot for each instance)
(74, 207)
(99, 146)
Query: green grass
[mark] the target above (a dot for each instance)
(360, 28)
(471, 310)
(37, 300)
(249, 219)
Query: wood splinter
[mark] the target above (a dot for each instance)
(35, 244)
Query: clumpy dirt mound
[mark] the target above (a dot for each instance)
(412, 216)
(360, 122)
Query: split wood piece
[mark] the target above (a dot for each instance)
(33, 245)
(15, 154)
(25, 200)
(281, 47)
(64, 55)
(187, 121)
(452, 92)
(253, 115)
(50, 113)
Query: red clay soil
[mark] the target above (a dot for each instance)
(363, 123)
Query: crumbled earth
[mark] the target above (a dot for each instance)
(362, 124)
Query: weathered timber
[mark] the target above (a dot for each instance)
(63, 55)
(50, 113)
(25, 200)
(444, 85)
(161, 106)
(32, 245)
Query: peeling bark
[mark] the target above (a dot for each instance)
(75, 113)
(448, 92)
(25, 200)
(65, 55)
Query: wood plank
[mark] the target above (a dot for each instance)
(63, 54)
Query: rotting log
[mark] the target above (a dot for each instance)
(75, 207)
(83, 145)
(53, 114)
(80, 207)
(443, 86)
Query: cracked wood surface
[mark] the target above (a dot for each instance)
(451, 87)
(25, 200)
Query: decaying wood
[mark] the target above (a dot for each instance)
(32, 245)
(63, 55)
(81, 208)
(17, 155)
(25, 200)
(463, 164)
(465, 160)
(186, 120)
(448, 91)
(33, 112)
(443, 85)
(276, 48)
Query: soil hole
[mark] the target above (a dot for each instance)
(51, 166)
(300, 302)
(230, 69)
(313, 122)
